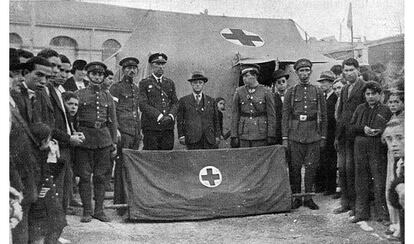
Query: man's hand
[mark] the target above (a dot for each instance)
(322, 143)
(271, 141)
(285, 143)
(235, 142)
(182, 140)
(336, 142)
(114, 151)
(76, 140)
(165, 119)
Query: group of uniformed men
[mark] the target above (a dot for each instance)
(108, 118)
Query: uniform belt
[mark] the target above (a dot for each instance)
(256, 114)
(96, 124)
(305, 117)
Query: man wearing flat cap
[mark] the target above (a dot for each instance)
(304, 126)
(197, 116)
(253, 116)
(158, 104)
(97, 121)
(325, 178)
(77, 81)
(280, 78)
(126, 93)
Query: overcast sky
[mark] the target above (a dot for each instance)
(373, 19)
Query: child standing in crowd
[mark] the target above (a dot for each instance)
(221, 107)
(396, 105)
(394, 137)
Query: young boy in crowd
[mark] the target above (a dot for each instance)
(396, 105)
(394, 137)
(367, 124)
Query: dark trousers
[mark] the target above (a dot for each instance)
(370, 163)
(346, 169)
(201, 144)
(303, 154)
(253, 143)
(20, 233)
(64, 181)
(130, 142)
(158, 140)
(96, 162)
(325, 177)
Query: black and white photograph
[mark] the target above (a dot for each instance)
(209, 121)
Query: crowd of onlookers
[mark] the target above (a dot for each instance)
(364, 117)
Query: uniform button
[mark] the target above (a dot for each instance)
(97, 107)
(306, 106)
(97, 102)
(305, 87)
(250, 118)
(57, 194)
(251, 111)
(164, 111)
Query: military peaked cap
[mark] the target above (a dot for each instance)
(303, 62)
(129, 61)
(157, 58)
(98, 66)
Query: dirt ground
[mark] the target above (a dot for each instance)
(299, 226)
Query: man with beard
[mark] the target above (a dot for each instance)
(253, 115)
(126, 94)
(97, 121)
(304, 126)
(77, 81)
(351, 96)
(158, 103)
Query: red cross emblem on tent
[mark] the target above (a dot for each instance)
(210, 176)
(242, 37)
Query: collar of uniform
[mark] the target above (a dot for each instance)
(304, 84)
(156, 78)
(95, 87)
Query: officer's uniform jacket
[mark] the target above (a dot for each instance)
(253, 114)
(304, 117)
(126, 94)
(156, 99)
(195, 120)
(96, 117)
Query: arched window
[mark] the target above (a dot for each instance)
(15, 40)
(109, 47)
(65, 45)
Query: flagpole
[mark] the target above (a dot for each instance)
(352, 40)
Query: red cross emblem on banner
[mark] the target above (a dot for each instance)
(210, 176)
(242, 37)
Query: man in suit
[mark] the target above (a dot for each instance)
(98, 122)
(304, 126)
(126, 94)
(280, 78)
(158, 103)
(77, 81)
(197, 117)
(325, 178)
(351, 96)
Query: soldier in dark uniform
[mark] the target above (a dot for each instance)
(253, 116)
(304, 125)
(125, 93)
(158, 103)
(97, 121)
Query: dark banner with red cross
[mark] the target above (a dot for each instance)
(200, 184)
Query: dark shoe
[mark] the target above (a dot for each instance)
(101, 217)
(351, 213)
(121, 212)
(337, 195)
(393, 238)
(389, 232)
(86, 218)
(355, 220)
(340, 210)
(74, 203)
(296, 203)
(310, 204)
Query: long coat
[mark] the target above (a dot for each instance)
(194, 120)
(156, 99)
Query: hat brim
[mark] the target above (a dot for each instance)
(193, 79)
(327, 79)
(286, 76)
(159, 61)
